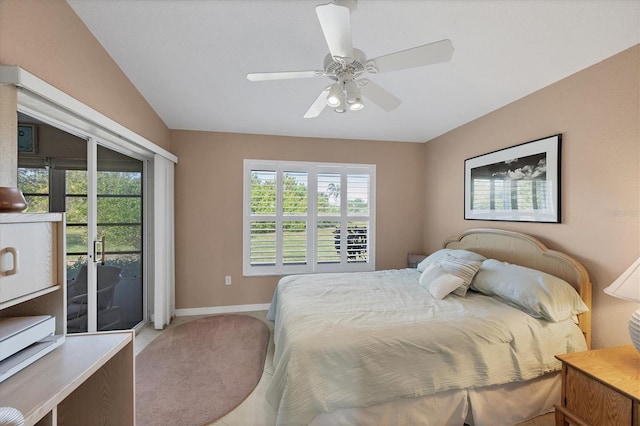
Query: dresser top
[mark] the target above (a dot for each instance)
(30, 217)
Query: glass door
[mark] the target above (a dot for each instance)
(101, 191)
(118, 245)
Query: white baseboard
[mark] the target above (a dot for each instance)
(222, 309)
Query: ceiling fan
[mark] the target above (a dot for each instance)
(345, 65)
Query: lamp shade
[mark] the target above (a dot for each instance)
(627, 286)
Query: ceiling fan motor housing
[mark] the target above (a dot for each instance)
(345, 69)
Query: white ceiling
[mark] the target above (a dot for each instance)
(189, 58)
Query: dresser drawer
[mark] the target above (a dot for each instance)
(28, 258)
(594, 402)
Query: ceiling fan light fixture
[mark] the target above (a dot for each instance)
(334, 98)
(357, 105)
(354, 97)
(352, 90)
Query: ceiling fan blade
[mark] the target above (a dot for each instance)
(379, 96)
(336, 25)
(318, 105)
(284, 75)
(427, 54)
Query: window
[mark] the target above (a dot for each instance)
(308, 217)
(34, 183)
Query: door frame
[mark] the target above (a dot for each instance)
(92, 145)
(92, 231)
(39, 99)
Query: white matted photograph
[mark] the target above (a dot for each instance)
(520, 183)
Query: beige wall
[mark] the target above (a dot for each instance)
(598, 112)
(209, 207)
(46, 38)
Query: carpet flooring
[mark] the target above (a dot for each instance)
(195, 373)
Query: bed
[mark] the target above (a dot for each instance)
(387, 347)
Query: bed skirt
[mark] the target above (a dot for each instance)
(501, 404)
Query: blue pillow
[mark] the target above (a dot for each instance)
(537, 293)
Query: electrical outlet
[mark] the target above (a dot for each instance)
(227, 280)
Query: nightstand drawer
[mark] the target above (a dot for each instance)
(594, 402)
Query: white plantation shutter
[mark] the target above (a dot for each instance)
(262, 222)
(358, 213)
(308, 217)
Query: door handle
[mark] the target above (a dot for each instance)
(15, 263)
(98, 246)
(103, 250)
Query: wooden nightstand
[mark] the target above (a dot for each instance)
(600, 387)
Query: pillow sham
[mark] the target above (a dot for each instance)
(463, 268)
(438, 282)
(438, 255)
(537, 293)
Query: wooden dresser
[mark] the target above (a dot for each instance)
(600, 387)
(85, 379)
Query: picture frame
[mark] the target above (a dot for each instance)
(520, 183)
(27, 139)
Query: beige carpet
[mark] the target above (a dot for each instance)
(197, 372)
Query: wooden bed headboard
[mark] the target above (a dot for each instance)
(525, 250)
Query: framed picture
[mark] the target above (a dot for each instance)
(520, 183)
(27, 139)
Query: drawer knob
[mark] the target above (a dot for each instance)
(15, 263)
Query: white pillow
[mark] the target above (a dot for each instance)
(537, 293)
(437, 256)
(439, 282)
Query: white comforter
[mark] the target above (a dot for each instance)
(352, 340)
